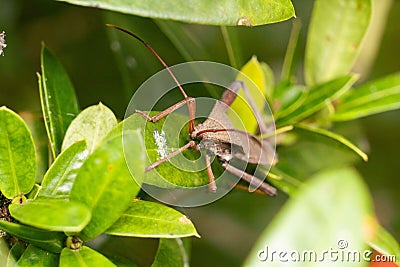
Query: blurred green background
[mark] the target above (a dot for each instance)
(78, 37)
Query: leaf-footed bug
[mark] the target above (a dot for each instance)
(216, 134)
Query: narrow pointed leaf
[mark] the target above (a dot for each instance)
(371, 98)
(57, 95)
(334, 137)
(52, 214)
(172, 252)
(105, 184)
(334, 38)
(17, 155)
(305, 223)
(83, 257)
(254, 12)
(37, 257)
(384, 243)
(316, 98)
(59, 179)
(149, 219)
(47, 240)
(91, 125)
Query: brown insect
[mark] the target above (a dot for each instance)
(216, 134)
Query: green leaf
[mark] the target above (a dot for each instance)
(36, 257)
(52, 214)
(254, 12)
(17, 155)
(371, 98)
(59, 179)
(149, 219)
(14, 254)
(105, 184)
(384, 243)
(34, 121)
(336, 31)
(176, 132)
(316, 98)
(83, 257)
(57, 95)
(172, 252)
(91, 125)
(47, 240)
(330, 211)
(334, 137)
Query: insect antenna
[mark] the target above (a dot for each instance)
(154, 53)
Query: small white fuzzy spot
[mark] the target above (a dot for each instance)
(161, 143)
(2, 43)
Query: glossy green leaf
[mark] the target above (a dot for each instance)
(150, 219)
(35, 123)
(384, 243)
(316, 98)
(105, 184)
(17, 155)
(36, 257)
(14, 254)
(334, 38)
(373, 97)
(47, 240)
(57, 95)
(59, 179)
(254, 12)
(83, 257)
(91, 125)
(52, 214)
(306, 223)
(172, 252)
(334, 137)
(253, 76)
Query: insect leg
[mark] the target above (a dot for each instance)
(211, 186)
(169, 156)
(191, 105)
(251, 179)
